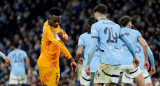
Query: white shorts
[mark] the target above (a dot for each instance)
(85, 79)
(146, 76)
(107, 74)
(129, 72)
(17, 79)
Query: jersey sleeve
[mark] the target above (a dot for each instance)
(121, 32)
(65, 35)
(94, 31)
(25, 54)
(81, 41)
(138, 34)
(54, 38)
(1, 54)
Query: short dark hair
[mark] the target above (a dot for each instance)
(133, 27)
(55, 11)
(125, 20)
(101, 8)
(16, 45)
(92, 20)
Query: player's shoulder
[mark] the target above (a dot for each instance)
(84, 35)
(135, 31)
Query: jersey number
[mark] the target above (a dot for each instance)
(139, 50)
(17, 58)
(113, 37)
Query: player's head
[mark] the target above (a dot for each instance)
(126, 21)
(54, 17)
(133, 27)
(100, 10)
(16, 45)
(91, 21)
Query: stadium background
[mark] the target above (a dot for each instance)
(22, 21)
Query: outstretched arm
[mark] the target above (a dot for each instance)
(1, 54)
(5, 58)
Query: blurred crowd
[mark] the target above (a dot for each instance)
(22, 21)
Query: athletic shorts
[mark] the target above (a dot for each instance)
(107, 74)
(85, 79)
(49, 75)
(17, 79)
(146, 76)
(129, 72)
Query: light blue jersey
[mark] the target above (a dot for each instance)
(107, 33)
(1, 54)
(141, 57)
(133, 35)
(84, 40)
(17, 57)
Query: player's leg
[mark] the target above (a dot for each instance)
(85, 79)
(98, 84)
(110, 84)
(140, 80)
(49, 75)
(147, 78)
(131, 73)
(106, 74)
(54, 77)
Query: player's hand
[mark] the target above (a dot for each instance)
(80, 60)
(7, 60)
(136, 62)
(73, 64)
(153, 70)
(87, 70)
(61, 35)
(146, 65)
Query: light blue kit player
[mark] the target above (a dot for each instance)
(127, 67)
(19, 58)
(7, 60)
(105, 33)
(141, 57)
(83, 45)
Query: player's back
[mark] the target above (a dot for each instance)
(107, 32)
(18, 61)
(84, 41)
(126, 54)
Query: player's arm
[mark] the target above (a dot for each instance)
(124, 38)
(151, 57)
(5, 58)
(60, 45)
(92, 48)
(81, 45)
(145, 49)
(1, 54)
(62, 34)
(79, 52)
(144, 45)
(27, 62)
